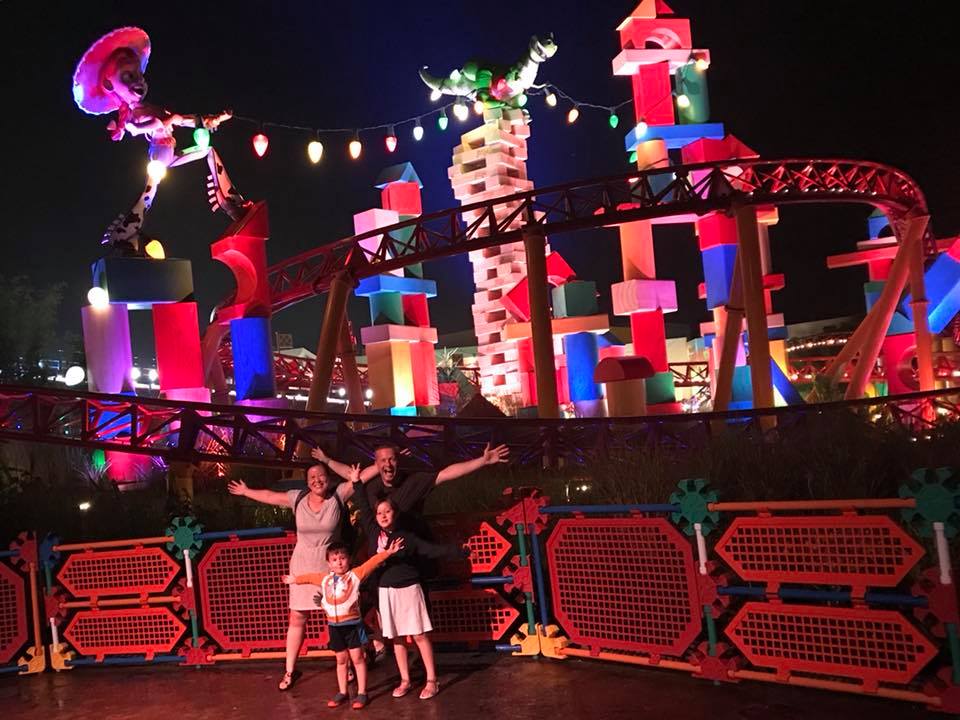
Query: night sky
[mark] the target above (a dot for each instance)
(789, 79)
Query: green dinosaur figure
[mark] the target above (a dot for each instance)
(495, 85)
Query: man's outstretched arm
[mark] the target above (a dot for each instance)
(499, 454)
(342, 469)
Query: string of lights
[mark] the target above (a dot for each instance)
(459, 109)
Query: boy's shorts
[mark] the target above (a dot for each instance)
(347, 635)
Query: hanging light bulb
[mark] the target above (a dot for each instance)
(435, 95)
(443, 120)
(701, 64)
(156, 171)
(478, 107)
(573, 114)
(201, 138)
(260, 144)
(460, 110)
(390, 140)
(550, 98)
(683, 102)
(614, 119)
(641, 128)
(155, 250)
(315, 150)
(418, 131)
(356, 147)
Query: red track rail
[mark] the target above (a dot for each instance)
(695, 188)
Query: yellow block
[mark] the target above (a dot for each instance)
(390, 374)
(561, 326)
(636, 250)
(627, 398)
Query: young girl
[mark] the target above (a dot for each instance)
(403, 611)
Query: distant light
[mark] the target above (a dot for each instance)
(460, 111)
(315, 151)
(369, 394)
(418, 131)
(701, 64)
(641, 129)
(152, 375)
(683, 102)
(478, 107)
(156, 170)
(74, 376)
(155, 250)
(84, 506)
(342, 392)
(443, 120)
(390, 140)
(98, 297)
(135, 373)
(614, 119)
(573, 114)
(551, 99)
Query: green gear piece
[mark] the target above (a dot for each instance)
(186, 536)
(693, 499)
(937, 492)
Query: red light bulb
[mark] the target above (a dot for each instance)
(260, 144)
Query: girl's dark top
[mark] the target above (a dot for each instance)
(400, 570)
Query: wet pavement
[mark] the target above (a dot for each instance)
(479, 685)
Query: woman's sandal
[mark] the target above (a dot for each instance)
(359, 702)
(402, 689)
(289, 678)
(430, 690)
(337, 700)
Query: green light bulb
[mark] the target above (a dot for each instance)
(614, 120)
(201, 138)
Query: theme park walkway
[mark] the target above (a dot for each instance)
(473, 686)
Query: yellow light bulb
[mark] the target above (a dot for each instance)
(460, 111)
(355, 148)
(701, 64)
(683, 102)
(155, 250)
(315, 151)
(573, 114)
(478, 107)
(98, 297)
(551, 99)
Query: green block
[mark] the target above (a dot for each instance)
(575, 299)
(386, 308)
(693, 83)
(415, 270)
(660, 388)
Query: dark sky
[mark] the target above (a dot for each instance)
(789, 79)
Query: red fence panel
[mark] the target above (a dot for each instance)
(244, 604)
(857, 550)
(471, 616)
(871, 645)
(13, 613)
(624, 584)
(126, 631)
(136, 571)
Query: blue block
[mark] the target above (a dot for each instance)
(877, 223)
(608, 339)
(582, 358)
(942, 283)
(718, 263)
(783, 385)
(252, 358)
(675, 136)
(741, 398)
(402, 172)
(899, 323)
(708, 340)
(395, 284)
(409, 411)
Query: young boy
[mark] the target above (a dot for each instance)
(339, 597)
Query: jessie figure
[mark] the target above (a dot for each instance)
(108, 78)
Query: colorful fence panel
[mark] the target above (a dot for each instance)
(21, 647)
(624, 584)
(13, 614)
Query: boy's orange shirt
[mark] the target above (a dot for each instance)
(341, 593)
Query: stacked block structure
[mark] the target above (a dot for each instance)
(401, 357)
(668, 76)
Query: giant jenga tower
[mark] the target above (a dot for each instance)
(490, 162)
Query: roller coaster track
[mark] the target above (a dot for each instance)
(679, 190)
(197, 433)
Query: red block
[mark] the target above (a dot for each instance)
(415, 311)
(558, 271)
(649, 338)
(402, 197)
(176, 334)
(668, 33)
(716, 229)
(708, 150)
(243, 250)
(423, 364)
(517, 301)
(653, 95)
